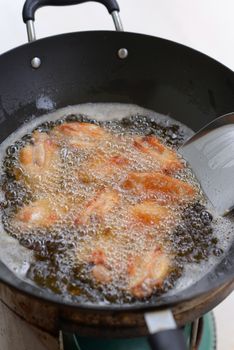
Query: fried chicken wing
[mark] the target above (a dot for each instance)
(100, 252)
(151, 213)
(101, 274)
(98, 207)
(39, 161)
(167, 158)
(147, 271)
(155, 183)
(102, 168)
(81, 135)
(102, 270)
(39, 155)
(38, 214)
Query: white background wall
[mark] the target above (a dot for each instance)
(206, 25)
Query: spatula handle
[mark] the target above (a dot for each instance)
(172, 339)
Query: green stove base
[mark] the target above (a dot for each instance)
(74, 342)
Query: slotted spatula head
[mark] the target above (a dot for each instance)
(210, 153)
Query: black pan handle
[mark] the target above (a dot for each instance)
(31, 6)
(172, 339)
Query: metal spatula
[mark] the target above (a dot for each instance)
(210, 153)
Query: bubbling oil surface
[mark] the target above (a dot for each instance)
(57, 261)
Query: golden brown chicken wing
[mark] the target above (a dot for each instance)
(101, 253)
(160, 186)
(98, 207)
(101, 168)
(166, 157)
(39, 155)
(81, 135)
(101, 274)
(40, 163)
(39, 214)
(149, 212)
(148, 271)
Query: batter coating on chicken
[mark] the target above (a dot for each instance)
(39, 163)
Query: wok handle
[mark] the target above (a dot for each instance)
(31, 6)
(172, 339)
(163, 331)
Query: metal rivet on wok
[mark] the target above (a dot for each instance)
(123, 53)
(36, 62)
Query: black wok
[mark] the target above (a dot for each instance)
(91, 67)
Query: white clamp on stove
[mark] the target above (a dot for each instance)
(31, 6)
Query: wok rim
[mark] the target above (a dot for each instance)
(49, 297)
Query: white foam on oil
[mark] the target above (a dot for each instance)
(223, 229)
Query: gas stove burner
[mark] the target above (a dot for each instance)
(200, 335)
